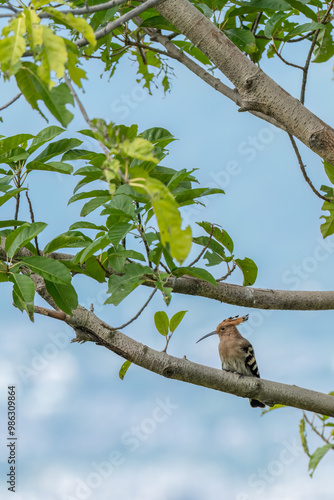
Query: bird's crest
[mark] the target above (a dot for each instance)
(232, 321)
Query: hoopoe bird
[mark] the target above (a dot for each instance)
(236, 352)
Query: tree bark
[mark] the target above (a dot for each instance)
(258, 91)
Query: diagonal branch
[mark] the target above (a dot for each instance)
(112, 25)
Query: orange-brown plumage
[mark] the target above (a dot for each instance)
(236, 352)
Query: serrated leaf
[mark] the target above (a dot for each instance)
(124, 368)
(176, 320)
(21, 236)
(64, 296)
(249, 270)
(50, 269)
(161, 322)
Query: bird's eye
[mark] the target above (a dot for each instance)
(222, 328)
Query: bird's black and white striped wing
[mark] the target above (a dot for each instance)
(250, 361)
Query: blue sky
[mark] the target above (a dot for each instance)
(84, 433)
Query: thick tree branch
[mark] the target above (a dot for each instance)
(258, 91)
(89, 327)
(256, 298)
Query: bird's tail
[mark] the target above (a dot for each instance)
(256, 404)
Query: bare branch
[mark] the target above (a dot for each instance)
(138, 313)
(205, 248)
(302, 168)
(313, 427)
(284, 60)
(112, 25)
(257, 298)
(87, 10)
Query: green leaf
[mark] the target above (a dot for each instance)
(242, 38)
(45, 135)
(302, 28)
(53, 56)
(12, 142)
(34, 89)
(10, 194)
(249, 270)
(317, 456)
(53, 166)
(124, 369)
(94, 269)
(275, 407)
(23, 293)
(329, 169)
(192, 194)
(50, 269)
(11, 223)
(64, 296)
(197, 272)
(161, 322)
(70, 239)
(176, 320)
(168, 218)
(57, 148)
(327, 228)
(118, 231)
(219, 234)
(324, 48)
(93, 247)
(89, 194)
(77, 23)
(22, 235)
(274, 23)
(93, 204)
(120, 205)
(12, 47)
(302, 434)
(121, 286)
(87, 225)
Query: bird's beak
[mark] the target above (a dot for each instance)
(245, 318)
(207, 335)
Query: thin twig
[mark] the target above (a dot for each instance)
(84, 114)
(17, 207)
(11, 102)
(88, 9)
(32, 219)
(293, 40)
(284, 60)
(138, 313)
(316, 430)
(302, 168)
(52, 314)
(205, 248)
(255, 24)
(142, 234)
(309, 55)
(230, 271)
